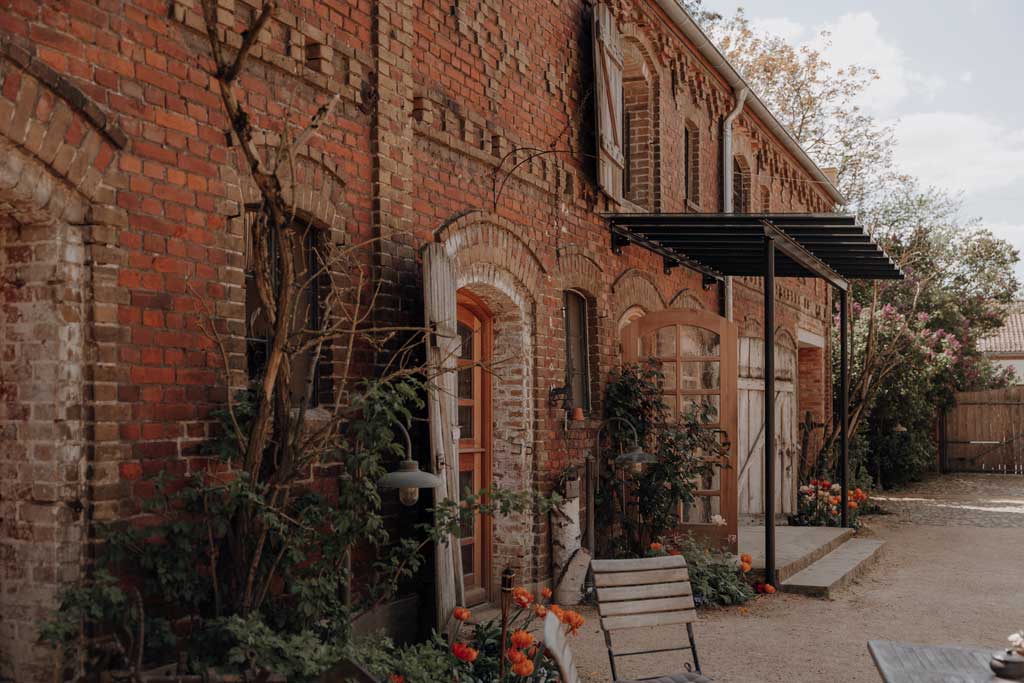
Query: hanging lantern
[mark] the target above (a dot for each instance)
(409, 478)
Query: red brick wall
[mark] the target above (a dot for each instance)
(112, 103)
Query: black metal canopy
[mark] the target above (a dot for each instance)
(828, 245)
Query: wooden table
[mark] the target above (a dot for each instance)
(906, 663)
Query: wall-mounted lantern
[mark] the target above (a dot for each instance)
(409, 478)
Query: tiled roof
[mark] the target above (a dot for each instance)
(1010, 338)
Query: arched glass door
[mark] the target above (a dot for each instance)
(697, 354)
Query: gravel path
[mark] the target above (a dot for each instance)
(952, 572)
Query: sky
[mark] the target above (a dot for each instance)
(951, 81)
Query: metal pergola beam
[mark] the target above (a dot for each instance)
(769, 409)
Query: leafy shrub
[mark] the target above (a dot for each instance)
(686, 451)
(716, 578)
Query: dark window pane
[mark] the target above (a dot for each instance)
(466, 336)
(577, 361)
(466, 383)
(466, 422)
(467, 560)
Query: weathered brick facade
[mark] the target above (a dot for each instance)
(121, 202)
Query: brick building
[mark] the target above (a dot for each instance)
(120, 198)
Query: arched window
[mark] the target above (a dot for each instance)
(577, 348)
(258, 330)
(691, 165)
(639, 129)
(740, 185)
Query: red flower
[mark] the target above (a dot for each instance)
(521, 639)
(396, 678)
(523, 668)
(522, 597)
(464, 652)
(516, 656)
(545, 593)
(462, 614)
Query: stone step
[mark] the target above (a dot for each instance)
(796, 547)
(836, 569)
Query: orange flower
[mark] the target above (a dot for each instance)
(834, 500)
(396, 678)
(516, 656)
(656, 547)
(546, 593)
(522, 597)
(523, 668)
(744, 567)
(574, 620)
(769, 589)
(745, 557)
(852, 505)
(674, 552)
(464, 652)
(462, 614)
(557, 611)
(540, 611)
(521, 639)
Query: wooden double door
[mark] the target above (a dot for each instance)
(697, 354)
(475, 328)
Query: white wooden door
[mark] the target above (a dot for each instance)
(750, 416)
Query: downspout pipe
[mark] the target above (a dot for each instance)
(727, 175)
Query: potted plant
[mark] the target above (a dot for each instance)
(1009, 663)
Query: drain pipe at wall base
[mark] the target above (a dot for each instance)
(727, 162)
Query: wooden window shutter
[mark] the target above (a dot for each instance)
(440, 314)
(608, 102)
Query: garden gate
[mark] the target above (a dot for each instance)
(984, 432)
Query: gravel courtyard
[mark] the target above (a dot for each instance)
(952, 572)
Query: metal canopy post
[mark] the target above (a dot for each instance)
(769, 409)
(844, 401)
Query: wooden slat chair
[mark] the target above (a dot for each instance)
(644, 593)
(557, 647)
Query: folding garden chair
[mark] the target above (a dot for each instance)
(644, 593)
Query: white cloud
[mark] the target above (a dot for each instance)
(960, 151)
(967, 77)
(856, 38)
(791, 31)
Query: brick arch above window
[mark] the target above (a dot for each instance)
(69, 170)
(685, 298)
(576, 270)
(634, 287)
(318, 192)
(492, 240)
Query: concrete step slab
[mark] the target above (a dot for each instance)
(836, 569)
(796, 547)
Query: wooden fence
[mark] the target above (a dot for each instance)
(984, 432)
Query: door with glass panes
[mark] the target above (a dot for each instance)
(474, 439)
(697, 354)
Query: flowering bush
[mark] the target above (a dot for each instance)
(476, 658)
(818, 504)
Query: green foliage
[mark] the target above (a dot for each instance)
(716, 579)
(687, 455)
